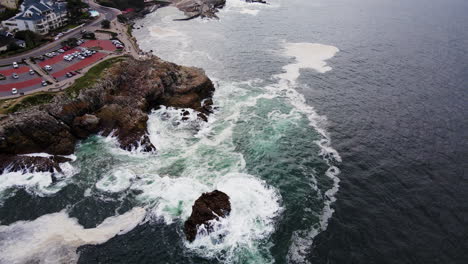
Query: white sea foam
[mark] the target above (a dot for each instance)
(39, 183)
(116, 180)
(310, 56)
(243, 7)
(54, 238)
(307, 56)
(253, 207)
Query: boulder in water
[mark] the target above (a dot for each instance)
(210, 206)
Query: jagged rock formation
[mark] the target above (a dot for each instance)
(31, 164)
(209, 206)
(117, 104)
(202, 8)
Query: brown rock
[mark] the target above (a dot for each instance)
(118, 103)
(31, 164)
(209, 206)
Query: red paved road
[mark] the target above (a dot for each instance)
(18, 71)
(80, 65)
(105, 44)
(19, 85)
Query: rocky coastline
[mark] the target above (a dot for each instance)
(119, 104)
(191, 8)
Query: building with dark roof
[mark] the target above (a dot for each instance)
(40, 16)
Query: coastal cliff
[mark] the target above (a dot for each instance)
(119, 104)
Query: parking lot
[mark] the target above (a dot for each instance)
(60, 67)
(25, 82)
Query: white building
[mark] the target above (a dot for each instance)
(39, 16)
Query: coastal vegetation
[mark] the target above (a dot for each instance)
(88, 80)
(92, 76)
(123, 4)
(14, 105)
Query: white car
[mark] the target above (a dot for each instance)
(15, 65)
(48, 67)
(14, 91)
(31, 72)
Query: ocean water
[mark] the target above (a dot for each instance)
(339, 135)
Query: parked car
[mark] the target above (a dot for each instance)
(61, 51)
(48, 67)
(44, 83)
(32, 72)
(69, 75)
(14, 91)
(15, 65)
(81, 57)
(73, 73)
(15, 76)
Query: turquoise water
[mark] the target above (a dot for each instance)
(263, 146)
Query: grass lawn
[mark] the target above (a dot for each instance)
(13, 105)
(91, 77)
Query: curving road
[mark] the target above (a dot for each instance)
(106, 13)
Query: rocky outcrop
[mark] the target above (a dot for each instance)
(31, 164)
(203, 8)
(210, 206)
(199, 8)
(256, 1)
(117, 104)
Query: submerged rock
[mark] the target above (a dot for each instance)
(210, 206)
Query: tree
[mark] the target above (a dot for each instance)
(123, 4)
(121, 18)
(89, 35)
(32, 39)
(105, 23)
(13, 46)
(75, 8)
(71, 42)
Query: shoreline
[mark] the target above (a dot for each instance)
(68, 116)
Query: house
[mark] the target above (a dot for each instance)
(20, 43)
(40, 16)
(5, 41)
